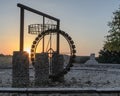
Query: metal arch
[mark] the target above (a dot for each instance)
(70, 42)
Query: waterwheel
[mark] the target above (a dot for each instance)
(49, 32)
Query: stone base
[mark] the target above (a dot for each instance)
(20, 69)
(57, 66)
(41, 69)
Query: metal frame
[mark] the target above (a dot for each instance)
(22, 8)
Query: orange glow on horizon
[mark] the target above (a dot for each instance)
(28, 50)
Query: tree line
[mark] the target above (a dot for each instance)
(3, 55)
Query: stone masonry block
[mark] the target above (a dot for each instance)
(20, 69)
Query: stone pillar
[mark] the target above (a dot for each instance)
(57, 66)
(41, 69)
(20, 69)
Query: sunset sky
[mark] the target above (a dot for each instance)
(84, 20)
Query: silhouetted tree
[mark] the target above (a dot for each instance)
(106, 56)
(111, 50)
(113, 39)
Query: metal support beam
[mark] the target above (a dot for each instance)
(21, 29)
(58, 38)
(37, 12)
(43, 31)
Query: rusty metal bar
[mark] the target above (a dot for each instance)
(21, 29)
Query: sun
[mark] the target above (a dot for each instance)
(27, 50)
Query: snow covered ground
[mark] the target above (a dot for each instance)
(82, 76)
(98, 76)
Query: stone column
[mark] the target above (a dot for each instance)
(20, 69)
(57, 66)
(41, 69)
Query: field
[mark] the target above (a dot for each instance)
(97, 76)
(5, 61)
